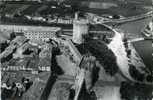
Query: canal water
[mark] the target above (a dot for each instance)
(144, 48)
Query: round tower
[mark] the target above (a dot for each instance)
(80, 28)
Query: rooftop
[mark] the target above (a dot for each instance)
(28, 28)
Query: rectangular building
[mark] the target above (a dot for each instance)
(33, 32)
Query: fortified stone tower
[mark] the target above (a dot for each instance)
(80, 27)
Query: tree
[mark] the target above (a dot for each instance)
(135, 73)
(12, 35)
(102, 53)
(55, 68)
(3, 46)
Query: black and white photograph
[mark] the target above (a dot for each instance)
(76, 49)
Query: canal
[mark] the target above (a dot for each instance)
(144, 48)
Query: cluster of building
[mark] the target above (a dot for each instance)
(19, 84)
(30, 58)
(29, 55)
(30, 47)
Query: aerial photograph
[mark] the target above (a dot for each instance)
(76, 49)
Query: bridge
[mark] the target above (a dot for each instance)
(136, 39)
(129, 19)
(118, 21)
